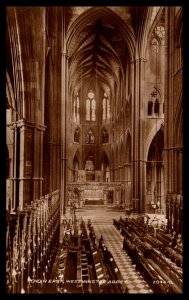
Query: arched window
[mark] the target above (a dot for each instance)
(88, 110)
(157, 56)
(105, 107)
(91, 107)
(90, 139)
(77, 112)
(74, 111)
(76, 117)
(158, 37)
(156, 107)
(155, 171)
(93, 110)
(150, 108)
(154, 104)
(155, 45)
(160, 31)
(108, 108)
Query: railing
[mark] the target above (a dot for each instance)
(32, 239)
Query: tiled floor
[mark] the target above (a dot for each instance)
(101, 219)
(114, 242)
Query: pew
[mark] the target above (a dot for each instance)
(159, 263)
(169, 269)
(153, 278)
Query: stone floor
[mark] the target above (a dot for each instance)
(102, 221)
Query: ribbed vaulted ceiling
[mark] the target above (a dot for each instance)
(100, 43)
(99, 53)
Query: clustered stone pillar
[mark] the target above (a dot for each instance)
(64, 70)
(173, 125)
(138, 161)
(27, 175)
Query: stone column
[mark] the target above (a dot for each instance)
(169, 105)
(63, 193)
(30, 161)
(163, 200)
(63, 135)
(138, 161)
(38, 132)
(41, 161)
(14, 179)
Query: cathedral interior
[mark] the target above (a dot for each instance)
(94, 150)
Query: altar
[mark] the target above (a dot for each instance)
(94, 193)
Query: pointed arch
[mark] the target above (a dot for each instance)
(14, 63)
(155, 150)
(90, 138)
(93, 14)
(153, 14)
(155, 172)
(155, 128)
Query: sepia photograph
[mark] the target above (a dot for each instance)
(94, 150)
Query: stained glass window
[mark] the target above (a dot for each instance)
(76, 117)
(91, 107)
(93, 110)
(88, 110)
(105, 107)
(77, 113)
(160, 31)
(108, 108)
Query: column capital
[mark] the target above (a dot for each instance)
(63, 53)
(12, 125)
(24, 123)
